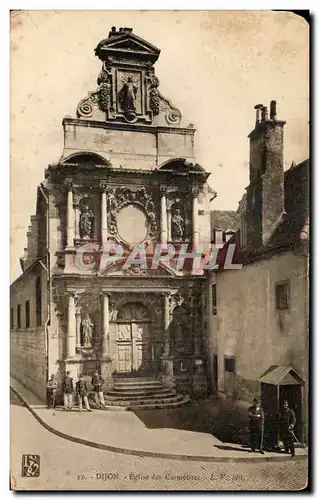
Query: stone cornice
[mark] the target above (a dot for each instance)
(127, 126)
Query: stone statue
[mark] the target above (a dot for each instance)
(87, 328)
(86, 222)
(178, 226)
(128, 94)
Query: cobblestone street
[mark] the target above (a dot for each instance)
(66, 465)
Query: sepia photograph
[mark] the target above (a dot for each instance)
(160, 256)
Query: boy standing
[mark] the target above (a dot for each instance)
(68, 390)
(51, 392)
(97, 383)
(256, 426)
(82, 393)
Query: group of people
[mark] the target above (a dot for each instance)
(68, 388)
(287, 422)
(287, 418)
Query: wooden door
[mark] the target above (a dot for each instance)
(134, 347)
(124, 347)
(142, 353)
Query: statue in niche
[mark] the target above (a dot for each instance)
(87, 329)
(178, 226)
(128, 93)
(86, 222)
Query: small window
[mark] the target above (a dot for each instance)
(27, 314)
(214, 300)
(219, 237)
(38, 301)
(282, 296)
(19, 316)
(230, 364)
(11, 319)
(243, 230)
(228, 235)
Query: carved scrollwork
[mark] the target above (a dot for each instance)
(99, 98)
(135, 271)
(173, 115)
(118, 198)
(85, 107)
(85, 351)
(176, 299)
(104, 93)
(159, 103)
(154, 95)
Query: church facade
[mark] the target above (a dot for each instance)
(108, 285)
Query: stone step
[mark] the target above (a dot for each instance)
(174, 398)
(134, 379)
(114, 396)
(161, 406)
(154, 383)
(138, 392)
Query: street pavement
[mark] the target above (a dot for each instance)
(65, 465)
(147, 433)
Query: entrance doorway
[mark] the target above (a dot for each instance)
(134, 343)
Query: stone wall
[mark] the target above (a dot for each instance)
(28, 362)
(120, 145)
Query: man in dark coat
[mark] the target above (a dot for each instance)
(68, 390)
(51, 392)
(82, 393)
(97, 383)
(256, 426)
(287, 422)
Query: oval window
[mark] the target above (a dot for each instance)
(132, 224)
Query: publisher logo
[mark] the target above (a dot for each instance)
(30, 465)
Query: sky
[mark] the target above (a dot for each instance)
(215, 66)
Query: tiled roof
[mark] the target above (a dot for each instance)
(296, 219)
(224, 220)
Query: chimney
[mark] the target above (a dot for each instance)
(265, 193)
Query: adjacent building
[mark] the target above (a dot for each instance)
(261, 328)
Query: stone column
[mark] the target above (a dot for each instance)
(78, 327)
(163, 216)
(70, 215)
(167, 340)
(77, 222)
(195, 239)
(169, 225)
(71, 327)
(106, 323)
(103, 214)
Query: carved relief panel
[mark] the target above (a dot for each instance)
(132, 217)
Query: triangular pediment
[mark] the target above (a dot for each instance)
(124, 44)
(118, 270)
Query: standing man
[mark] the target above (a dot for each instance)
(256, 426)
(287, 422)
(68, 390)
(97, 383)
(82, 393)
(51, 392)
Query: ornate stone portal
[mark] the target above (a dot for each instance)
(128, 320)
